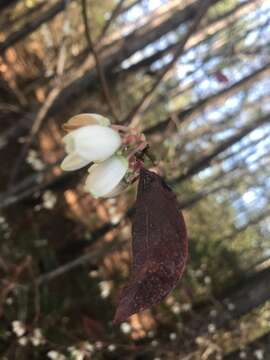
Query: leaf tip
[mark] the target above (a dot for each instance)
(118, 317)
(123, 312)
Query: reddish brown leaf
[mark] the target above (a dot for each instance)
(159, 247)
(221, 77)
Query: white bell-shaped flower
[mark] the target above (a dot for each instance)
(105, 177)
(92, 143)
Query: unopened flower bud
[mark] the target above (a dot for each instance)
(104, 178)
(91, 143)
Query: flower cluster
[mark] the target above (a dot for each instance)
(91, 140)
(24, 336)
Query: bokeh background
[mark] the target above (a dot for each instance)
(194, 77)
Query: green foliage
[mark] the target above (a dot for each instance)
(221, 7)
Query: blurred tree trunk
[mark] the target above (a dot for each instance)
(128, 7)
(251, 350)
(205, 161)
(203, 35)
(32, 25)
(6, 3)
(164, 20)
(256, 220)
(212, 100)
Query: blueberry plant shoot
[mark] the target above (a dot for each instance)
(159, 237)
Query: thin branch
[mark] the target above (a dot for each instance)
(193, 110)
(133, 116)
(33, 132)
(103, 230)
(8, 23)
(205, 160)
(29, 27)
(79, 261)
(12, 282)
(101, 74)
(130, 6)
(156, 25)
(45, 108)
(116, 11)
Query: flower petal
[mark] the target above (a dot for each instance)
(118, 189)
(69, 143)
(73, 162)
(103, 178)
(95, 142)
(80, 120)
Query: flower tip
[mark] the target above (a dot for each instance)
(101, 120)
(73, 162)
(64, 167)
(85, 119)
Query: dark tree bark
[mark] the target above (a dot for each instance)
(32, 25)
(204, 34)
(128, 7)
(112, 56)
(215, 99)
(6, 3)
(27, 13)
